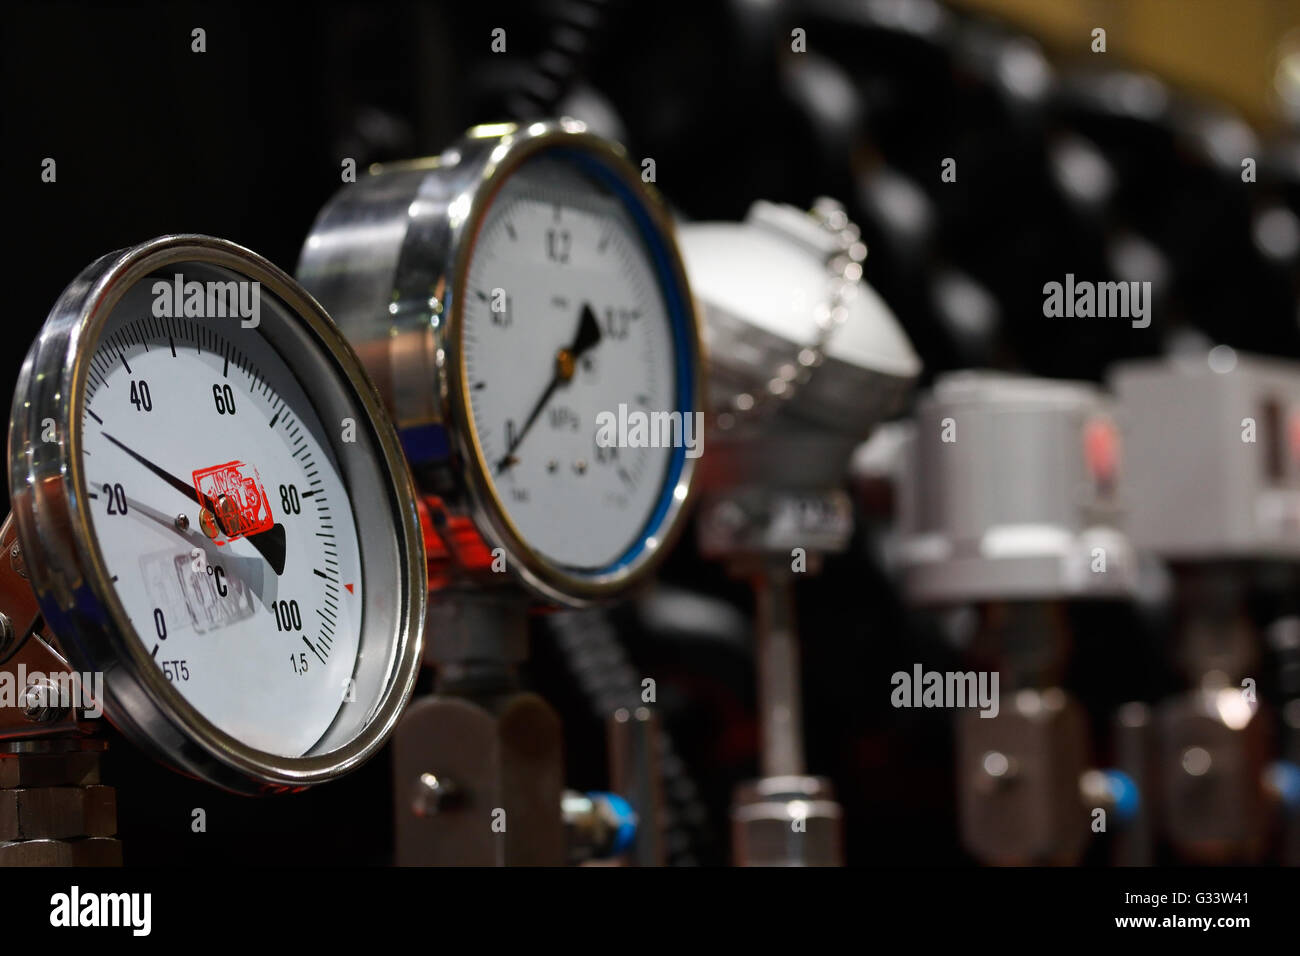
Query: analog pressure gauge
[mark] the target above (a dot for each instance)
(521, 304)
(214, 512)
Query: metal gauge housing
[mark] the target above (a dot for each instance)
(512, 298)
(215, 514)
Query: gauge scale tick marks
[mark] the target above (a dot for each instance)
(588, 329)
(219, 529)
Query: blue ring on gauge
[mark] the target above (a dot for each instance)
(674, 299)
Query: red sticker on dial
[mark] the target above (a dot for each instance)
(234, 491)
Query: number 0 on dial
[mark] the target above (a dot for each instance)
(226, 528)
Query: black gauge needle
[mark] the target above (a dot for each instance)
(270, 544)
(584, 339)
(183, 487)
(588, 333)
(248, 570)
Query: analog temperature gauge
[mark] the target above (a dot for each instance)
(215, 513)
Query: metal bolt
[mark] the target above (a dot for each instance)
(1134, 714)
(1196, 761)
(16, 559)
(39, 703)
(998, 765)
(433, 794)
(1096, 790)
(182, 522)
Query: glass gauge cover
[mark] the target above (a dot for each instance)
(530, 324)
(219, 518)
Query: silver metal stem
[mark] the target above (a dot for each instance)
(780, 703)
(477, 640)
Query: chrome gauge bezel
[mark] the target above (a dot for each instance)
(66, 568)
(389, 257)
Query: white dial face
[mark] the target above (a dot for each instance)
(565, 325)
(222, 520)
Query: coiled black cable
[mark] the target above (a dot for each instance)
(598, 661)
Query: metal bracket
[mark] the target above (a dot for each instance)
(53, 809)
